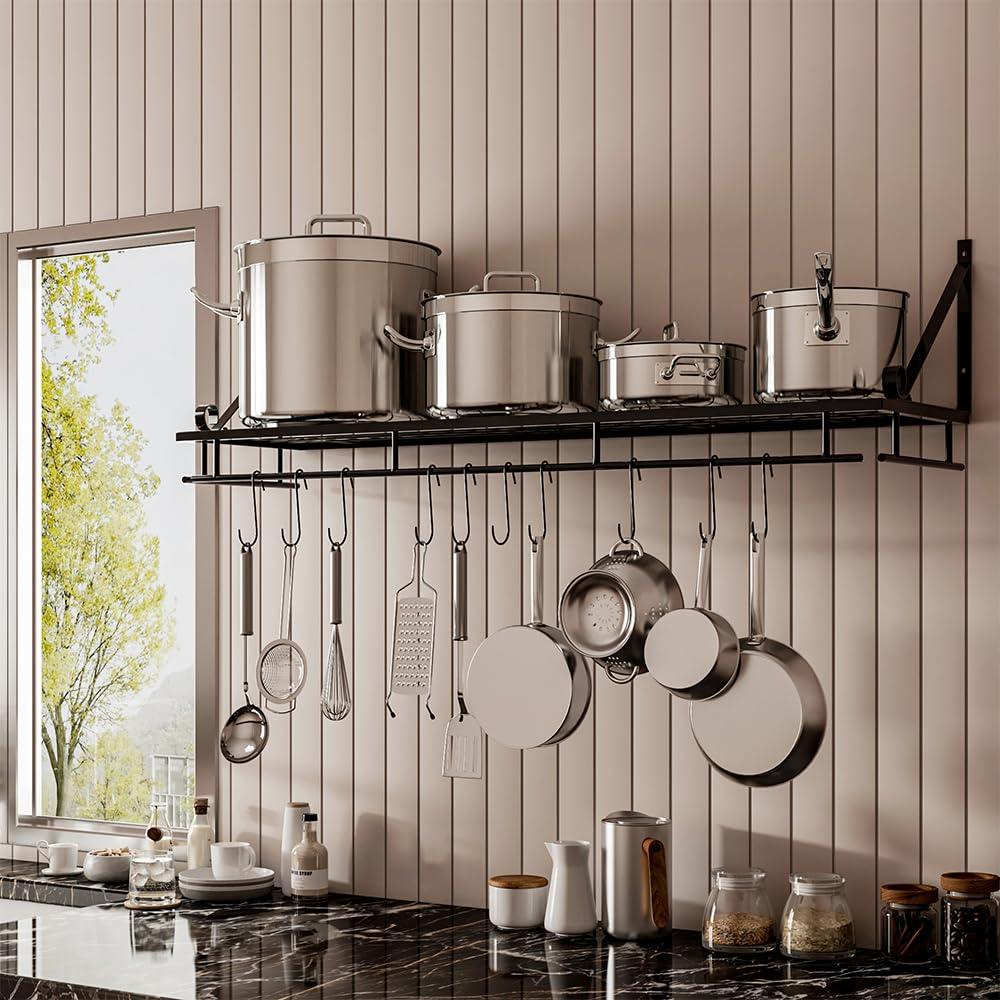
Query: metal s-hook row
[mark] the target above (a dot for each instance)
(460, 542)
(345, 471)
(633, 472)
(713, 522)
(765, 468)
(431, 471)
(256, 518)
(545, 517)
(299, 479)
(508, 468)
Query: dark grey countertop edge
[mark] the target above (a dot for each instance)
(23, 880)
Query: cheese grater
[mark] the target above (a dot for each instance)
(413, 636)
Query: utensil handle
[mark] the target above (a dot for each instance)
(246, 590)
(704, 574)
(511, 274)
(535, 582)
(656, 863)
(756, 588)
(336, 585)
(460, 593)
(286, 592)
(227, 310)
(317, 220)
(828, 326)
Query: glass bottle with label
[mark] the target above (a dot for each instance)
(199, 842)
(309, 863)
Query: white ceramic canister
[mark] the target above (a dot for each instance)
(291, 834)
(517, 901)
(570, 908)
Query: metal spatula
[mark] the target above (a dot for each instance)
(463, 739)
(413, 636)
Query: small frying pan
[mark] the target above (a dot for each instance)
(526, 684)
(767, 727)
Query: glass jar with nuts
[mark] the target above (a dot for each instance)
(738, 916)
(817, 922)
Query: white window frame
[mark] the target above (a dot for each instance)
(18, 545)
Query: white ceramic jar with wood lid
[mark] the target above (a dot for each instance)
(517, 901)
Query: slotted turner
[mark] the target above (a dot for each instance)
(413, 636)
(463, 739)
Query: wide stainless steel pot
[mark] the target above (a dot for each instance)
(311, 312)
(637, 374)
(821, 342)
(493, 352)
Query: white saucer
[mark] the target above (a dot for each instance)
(69, 871)
(205, 877)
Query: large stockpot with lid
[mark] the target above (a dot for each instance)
(492, 351)
(312, 311)
(822, 341)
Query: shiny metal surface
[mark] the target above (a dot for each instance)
(626, 910)
(825, 341)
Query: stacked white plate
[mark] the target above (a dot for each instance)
(200, 884)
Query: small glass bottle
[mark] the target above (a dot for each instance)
(908, 923)
(200, 837)
(309, 863)
(817, 922)
(159, 836)
(969, 921)
(738, 916)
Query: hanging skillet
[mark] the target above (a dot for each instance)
(767, 727)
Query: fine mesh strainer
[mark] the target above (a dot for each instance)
(281, 669)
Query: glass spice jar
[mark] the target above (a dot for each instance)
(908, 923)
(969, 921)
(738, 916)
(817, 922)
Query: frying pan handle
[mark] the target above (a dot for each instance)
(336, 585)
(246, 590)
(460, 595)
(756, 587)
(704, 573)
(656, 864)
(535, 578)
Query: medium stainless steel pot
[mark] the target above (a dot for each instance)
(311, 312)
(821, 342)
(489, 351)
(636, 374)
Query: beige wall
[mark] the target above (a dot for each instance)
(670, 156)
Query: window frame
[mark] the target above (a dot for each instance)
(18, 544)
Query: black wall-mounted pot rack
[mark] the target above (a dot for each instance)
(823, 416)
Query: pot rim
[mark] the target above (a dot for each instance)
(450, 303)
(670, 348)
(337, 248)
(843, 296)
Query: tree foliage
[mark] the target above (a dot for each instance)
(105, 627)
(111, 782)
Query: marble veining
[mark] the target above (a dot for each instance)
(360, 948)
(24, 880)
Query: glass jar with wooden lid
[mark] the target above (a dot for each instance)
(969, 920)
(908, 923)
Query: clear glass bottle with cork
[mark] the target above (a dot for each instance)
(309, 875)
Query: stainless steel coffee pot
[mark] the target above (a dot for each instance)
(635, 888)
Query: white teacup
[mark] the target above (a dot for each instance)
(61, 857)
(234, 859)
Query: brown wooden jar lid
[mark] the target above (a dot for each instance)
(909, 893)
(973, 883)
(518, 881)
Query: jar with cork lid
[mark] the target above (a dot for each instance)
(908, 923)
(969, 921)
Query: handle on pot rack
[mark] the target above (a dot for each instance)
(227, 310)
(828, 325)
(508, 274)
(317, 220)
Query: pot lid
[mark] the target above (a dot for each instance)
(667, 345)
(626, 817)
(843, 297)
(483, 299)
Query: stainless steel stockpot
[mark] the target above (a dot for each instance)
(816, 342)
(311, 312)
(636, 374)
(491, 351)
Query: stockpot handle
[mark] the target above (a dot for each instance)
(705, 367)
(316, 220)
(599, 341)
(227, 310)
(828, 325)
(511, 274)
(426, 346)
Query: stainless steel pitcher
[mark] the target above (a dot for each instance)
(635, 888)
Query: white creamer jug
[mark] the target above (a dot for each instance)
(570, 908)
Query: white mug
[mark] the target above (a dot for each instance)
(233, 859)
(62, 858)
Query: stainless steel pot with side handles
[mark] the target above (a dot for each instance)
(311, 312)
(492, 351)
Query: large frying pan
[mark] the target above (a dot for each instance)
(526, 685)
(768, 725)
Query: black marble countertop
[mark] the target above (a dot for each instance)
(24, 880)
(351, 947)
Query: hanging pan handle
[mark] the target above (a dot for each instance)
(362, 220)
(656, 864)
(246, 590)
(535, 581)
(756, 588)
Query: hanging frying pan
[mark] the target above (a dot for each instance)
(526, 685)
(767, 727)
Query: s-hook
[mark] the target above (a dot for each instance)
(431, 471)
(508, 468)
(256, 519)
(633, 472)
(337, 543)
(712, 521)
(545, 518)
(460, 542)
(298, 510)
(765, 468)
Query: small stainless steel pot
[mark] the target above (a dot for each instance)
(607, 611)
(821, 342)
(311, 312)
(636, 374)
(489, 351)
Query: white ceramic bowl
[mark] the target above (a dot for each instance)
(105, 868)
(517, 901)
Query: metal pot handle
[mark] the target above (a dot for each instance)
(427, 346)
(366, 223)
(227, 310)
(828, 325)
(599, 341)
(705, 367)
(672, 331)
(511, 274)
(629, 543)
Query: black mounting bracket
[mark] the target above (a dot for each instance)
(896, 455)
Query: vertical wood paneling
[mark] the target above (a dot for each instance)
(187, 72)
(24, 69)
(6, 120)
(159, 109)
(338, 106)
(104, 109)
(51, 113)
(369, 112)
(76, 101)
(131, 55)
